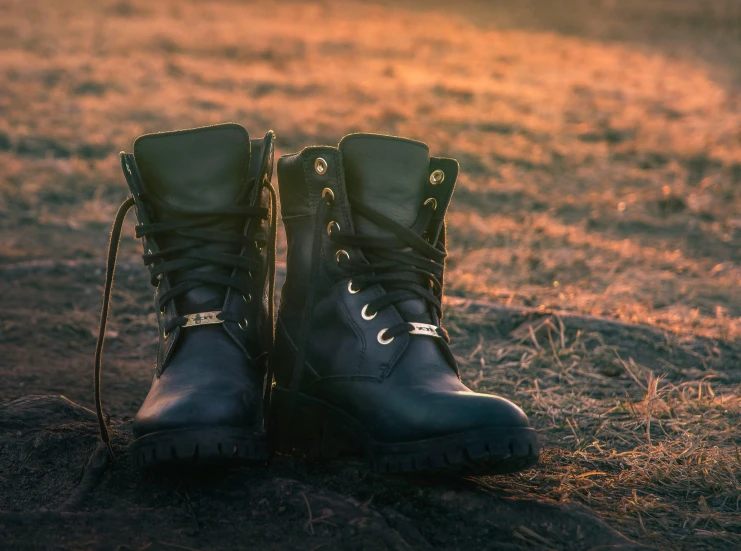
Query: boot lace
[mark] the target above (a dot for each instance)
(186, 259)
(405, 263)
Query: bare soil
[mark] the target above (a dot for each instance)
(594, 274)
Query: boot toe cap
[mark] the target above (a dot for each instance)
(196, 408)
(418, 412)
(488, 410)
(445, 413)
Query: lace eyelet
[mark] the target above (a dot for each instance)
(366, 315)
(326, 192)
(165, 336)
(341, 252)
(381, 339)
(243, 324)
(433, 201)
(163, 311)
(247, 299)
(330, 225)
(320, 166)
(350, 289)
(437, 177)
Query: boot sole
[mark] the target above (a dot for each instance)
(322, 431)
(199, 447)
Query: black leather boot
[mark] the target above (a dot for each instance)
(361, 364)
(202, 199)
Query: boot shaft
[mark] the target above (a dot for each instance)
(200, 174)
(393, 176)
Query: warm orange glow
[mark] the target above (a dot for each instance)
(600, 148)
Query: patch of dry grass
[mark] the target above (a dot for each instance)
(658, 458)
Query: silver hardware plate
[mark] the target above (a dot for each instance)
(424, 329)
(202, 318)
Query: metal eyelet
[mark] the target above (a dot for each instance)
(243, 324)
(165, 336)
(247, 299)
(163, 311)
(433, 201)
(350, 289)
(258, 247)
(329, 227)
(325, 192)
(341, 252)
(366, 315)
(320, 166)
(380, 337)
(437, 177)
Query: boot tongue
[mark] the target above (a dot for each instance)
(195, 171)
(387, 174)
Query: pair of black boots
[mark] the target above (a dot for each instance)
(357, 363)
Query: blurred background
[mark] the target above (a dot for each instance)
(600, 147)
(599, 139)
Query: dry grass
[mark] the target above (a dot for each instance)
(601, 161)
(658, 458)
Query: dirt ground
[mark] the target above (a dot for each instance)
(594, 273)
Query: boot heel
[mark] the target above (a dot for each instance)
(314, 429)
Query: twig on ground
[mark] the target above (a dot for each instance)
(91, 474)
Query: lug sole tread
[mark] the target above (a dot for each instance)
(198, 447)
(488, 451)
